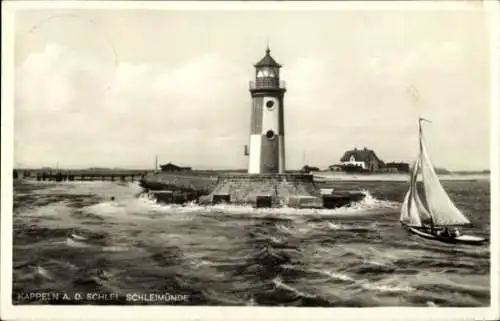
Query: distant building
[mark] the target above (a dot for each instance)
(363, 159)
(441, 170)
(336, 168)
(173, 168)
(308, 169)
(394, 167)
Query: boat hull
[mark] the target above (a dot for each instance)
(463, 239)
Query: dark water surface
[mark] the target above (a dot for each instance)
(71, 238)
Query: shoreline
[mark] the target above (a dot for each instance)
(335, 177)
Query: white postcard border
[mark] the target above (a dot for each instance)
(10, 312)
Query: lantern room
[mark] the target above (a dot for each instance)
(267, 72)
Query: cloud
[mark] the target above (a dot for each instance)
(82, 110)
(65, 110)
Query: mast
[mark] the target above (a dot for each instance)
(421, 150)
(413, 183)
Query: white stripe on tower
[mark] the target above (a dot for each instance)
(270, 120)
(255, 151)
(281, 154)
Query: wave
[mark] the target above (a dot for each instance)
(238, 255)
(351, 227)
(43, 272)
(53, 210)
(356, 208)
(78, 237)
(431, 304)
(115, 248)
(289, 230)
(323, 272)
(74, 243)
(334, 226)
(268, 253)
(89, 187)
(385, 286)
(223, 299)
(333, 275)
(370, 202)
(278, 283)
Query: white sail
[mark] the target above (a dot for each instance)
(404, 208)
(422, 211)
(443, 211)
(413, 214)
(410, 209)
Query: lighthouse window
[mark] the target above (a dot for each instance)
(269, 104)
(270, 134)
(266, 72)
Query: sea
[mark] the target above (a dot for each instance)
(108, 243)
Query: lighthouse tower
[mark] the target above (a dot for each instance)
(267, 184)
(267, 131)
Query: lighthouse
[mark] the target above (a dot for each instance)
(266, 184)
(267, 130)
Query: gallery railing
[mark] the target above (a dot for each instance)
(268, 83)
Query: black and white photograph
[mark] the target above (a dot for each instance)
(286, 157)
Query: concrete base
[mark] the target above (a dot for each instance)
(297, 190)
(172, 197)
(266, 190)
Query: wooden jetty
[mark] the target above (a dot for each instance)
(80, 175)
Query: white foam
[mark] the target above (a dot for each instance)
(334, 275)
(368, 203)
(44, 273)
(73, 243)
(78, 237)
(334, 226)
(127, 206)
(386, 287)
(326, 191)
(279, 284)
(52, 210)
(106, 209)
(431, 304)
(115, 248)
(276, 240)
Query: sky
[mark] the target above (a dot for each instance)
(114, 88)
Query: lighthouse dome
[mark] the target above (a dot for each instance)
(267, 61)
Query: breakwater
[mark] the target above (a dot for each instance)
(201, 182)
(293, 189)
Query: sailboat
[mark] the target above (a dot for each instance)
(438, 215)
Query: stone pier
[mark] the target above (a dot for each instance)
(264, 190)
